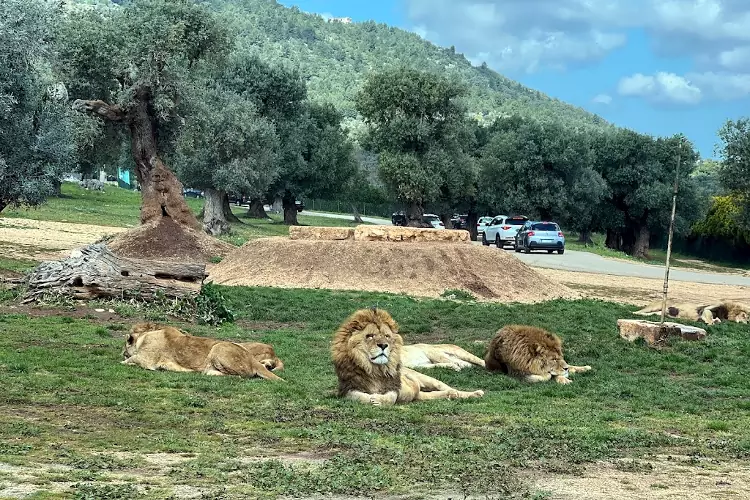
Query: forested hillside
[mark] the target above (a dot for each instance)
(336, 58)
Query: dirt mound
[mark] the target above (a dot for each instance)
(167, 240)
(417, 269)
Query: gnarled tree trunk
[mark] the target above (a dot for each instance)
(160, 190)
(471, 223)
(290, 209)
(256, 209)
(414, 215)
(214, 222)
(227, 208)
(357, 217)
(585, 237)
(95, 272)
(641, 244)
(614, 239)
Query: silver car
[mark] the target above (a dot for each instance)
(540, 235)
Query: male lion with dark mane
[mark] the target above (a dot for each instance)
(159, 347)
(709, 314)
(367, 359)
(531, 353)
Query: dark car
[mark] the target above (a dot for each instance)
(459, 221)
(300, 206)
(398, 219)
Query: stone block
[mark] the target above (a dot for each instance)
(320, 233)
(409, 234)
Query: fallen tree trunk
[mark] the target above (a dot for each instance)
(95, 272)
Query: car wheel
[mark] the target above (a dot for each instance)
(484, 240)
(498, 243)
(561, 251)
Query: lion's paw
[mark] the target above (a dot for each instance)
(477, 394)
(563, 380)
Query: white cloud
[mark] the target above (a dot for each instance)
(661, 87)
(723, 86)
(605, 99)
(524, 35)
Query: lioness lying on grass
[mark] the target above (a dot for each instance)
(160, 347)
(438, 356)
(709, 314)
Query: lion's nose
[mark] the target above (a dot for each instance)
(383, 346)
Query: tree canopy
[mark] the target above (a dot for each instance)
(735, 169)
(418, 126)
(36, 130)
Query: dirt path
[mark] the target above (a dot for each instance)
(40, 240)
(641, 291)
(663, 478)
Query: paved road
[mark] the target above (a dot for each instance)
(371, 220)
(592, 263)
(572, 260)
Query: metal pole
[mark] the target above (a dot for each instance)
(671, 233)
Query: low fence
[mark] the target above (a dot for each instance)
(384, 210)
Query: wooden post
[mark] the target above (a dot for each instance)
(671, 233)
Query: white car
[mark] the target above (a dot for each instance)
(502, 230)
(433, 220)
(482, 223)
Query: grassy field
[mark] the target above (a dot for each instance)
(121, 208)
(71, 413)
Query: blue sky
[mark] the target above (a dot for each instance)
(657, 66)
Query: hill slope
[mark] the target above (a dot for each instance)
(336, 58)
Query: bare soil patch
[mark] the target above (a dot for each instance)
(642, 291)
(417, 269)
(40, 240)
(167, 240)
(658, 479)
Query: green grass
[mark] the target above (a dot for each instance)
(16, 265)
(66, 400)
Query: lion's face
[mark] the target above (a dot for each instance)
(376, 344)
(550, 361)
(741, 317)
(135, 332)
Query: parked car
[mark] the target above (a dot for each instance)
(300, 206)
(502, 230)
(481, 224)
(433, 220)
(542, 235)
(459, 221)
(398, 219)
(192, 193)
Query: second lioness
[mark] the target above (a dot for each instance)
(530, 353)
(159, 347)
(438, 356)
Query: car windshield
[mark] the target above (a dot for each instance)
(430, 218)
(545, 226)
(515, 222)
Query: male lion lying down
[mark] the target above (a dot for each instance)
(438, 356)
(159, 347)
(367, 358)
(709, 314)
(531, 353)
